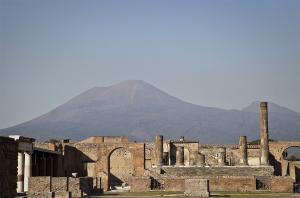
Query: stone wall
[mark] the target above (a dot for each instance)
(233, 183)
(73, 161)
(225, 183)
(140, 184)
(219, 171)
(173, 184)
(80, 186)
(276, 155)
(106, 139)
(211, 155)
(8, 167)
(99, 157)
(40, 186)
(282, 184)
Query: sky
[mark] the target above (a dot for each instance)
(223, 54)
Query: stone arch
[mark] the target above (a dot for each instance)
(120, 166)
(291, 163)
(282, 166)
(286, 151)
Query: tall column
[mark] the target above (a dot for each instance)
(180, 156)
(159, 149)
(27, 170)
(264, 134)
(20, 177)
(243, 150)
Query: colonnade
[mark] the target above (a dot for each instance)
(24, 171)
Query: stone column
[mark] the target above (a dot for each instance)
(243, 150)
(180, 156)
(159, 149)
(169, 147)
(20, 177)
(264, 134)
(27, 170)
(201, 159)
(222, 157)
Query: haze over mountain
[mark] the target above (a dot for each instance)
(139, 110)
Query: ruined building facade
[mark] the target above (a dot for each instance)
(116, 163)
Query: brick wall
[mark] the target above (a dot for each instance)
(219, 171)
(174, 184)
(8, 167)
(282, 184)
(233, 184)
(140, 184)
(43, 185)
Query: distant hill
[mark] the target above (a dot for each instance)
(139, 110)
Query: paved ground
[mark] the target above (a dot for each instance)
(217, 195)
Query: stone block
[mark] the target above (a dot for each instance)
(63, 194)
(39, 184)
(140, 184)
(196, 188)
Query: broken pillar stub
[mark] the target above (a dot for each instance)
(243, 151)
(180, 156)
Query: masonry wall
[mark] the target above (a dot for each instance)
(211, 155)
(140, 184)
(173, 184)
(219, 171)
(8, 167)
(99, 157)
(40, 186)
(282, 184)
(276, 158)
(232, 183)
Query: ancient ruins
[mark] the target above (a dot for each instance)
(100, 163)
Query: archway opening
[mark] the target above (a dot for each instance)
(291, 154)
(291, 162)
(120, 167)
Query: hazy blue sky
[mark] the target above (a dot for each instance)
(213, 53)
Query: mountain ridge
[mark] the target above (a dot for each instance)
(139, 110)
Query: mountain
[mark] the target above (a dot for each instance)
(139, 110)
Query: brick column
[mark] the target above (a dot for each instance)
(264, 134)
(243, 150)
(27, 170)
(20, 177)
